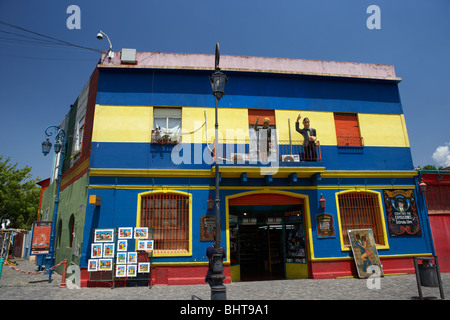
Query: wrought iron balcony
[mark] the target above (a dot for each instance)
(248, 152)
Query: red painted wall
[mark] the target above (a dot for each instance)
(439, 220)
(163, 276)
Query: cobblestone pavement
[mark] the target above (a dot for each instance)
(15, 285)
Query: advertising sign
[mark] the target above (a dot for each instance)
(401, 211)
(40, 241)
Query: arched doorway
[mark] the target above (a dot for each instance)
(267, 236)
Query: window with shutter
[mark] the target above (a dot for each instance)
(347, 130)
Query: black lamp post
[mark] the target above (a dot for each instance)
(218, 290)
(46, 146)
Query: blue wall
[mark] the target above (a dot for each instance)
(155, 156)
(247, 90)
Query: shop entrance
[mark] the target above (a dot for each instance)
(267, 239)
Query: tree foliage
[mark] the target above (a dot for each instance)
(431, 167)
(19, 195)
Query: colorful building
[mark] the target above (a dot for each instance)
(140, 154)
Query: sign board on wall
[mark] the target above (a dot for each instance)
(325, 228)
(40, 242)
(401, 212)
(207, 227)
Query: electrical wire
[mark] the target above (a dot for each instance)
(24, 36)
(54, 41)
(50, 59)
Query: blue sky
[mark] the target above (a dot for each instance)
(38, 82)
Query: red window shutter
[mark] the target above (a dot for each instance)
(253, 114)
(347, 130)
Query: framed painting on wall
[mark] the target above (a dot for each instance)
(144, 267)
(132, 257)
(97, 250)
(108, 250)
(365, 253)
(122, 245)
(125, 233)
(402, 215)
(121, 271)
(121, 258)
(105, 265)
(207, 227)
(146, 245)
(104, 235)
(131, 270)
(92, 265)
(141, 233)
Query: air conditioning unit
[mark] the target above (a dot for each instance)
(239, 157)
(129, 56)
(290, 158)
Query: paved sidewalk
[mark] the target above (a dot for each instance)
(15, 285)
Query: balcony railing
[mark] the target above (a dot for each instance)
(348, 141)
(241, 151)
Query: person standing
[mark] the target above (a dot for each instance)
(209, 254)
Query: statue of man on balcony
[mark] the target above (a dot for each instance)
(309, 139)
(265, 138)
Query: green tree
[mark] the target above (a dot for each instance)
(431, 167)
(19, 195)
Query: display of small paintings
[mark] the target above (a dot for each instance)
(121, 270)
(125, 233)
(132, 257)
(122, 245)
(104, 235)
(108, 250)
(110, 254)
(97, 250)
(131, 270)
(144, 267)
(121, 258)
(141, 233)
(105, 264)
(92, 265)
(146, 245)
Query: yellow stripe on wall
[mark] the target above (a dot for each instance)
(383, 130)
(122, 124)
(233, 123)
(135, 123)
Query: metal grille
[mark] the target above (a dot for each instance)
(360, 210)
(438, 198)
(348, 141)
(168, 214)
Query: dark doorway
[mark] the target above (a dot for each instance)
(258, 239)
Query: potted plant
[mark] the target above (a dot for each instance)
(156, 135)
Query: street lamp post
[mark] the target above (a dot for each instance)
(218, 290)
(60, 143)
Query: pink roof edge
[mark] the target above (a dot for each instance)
(253, 64)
